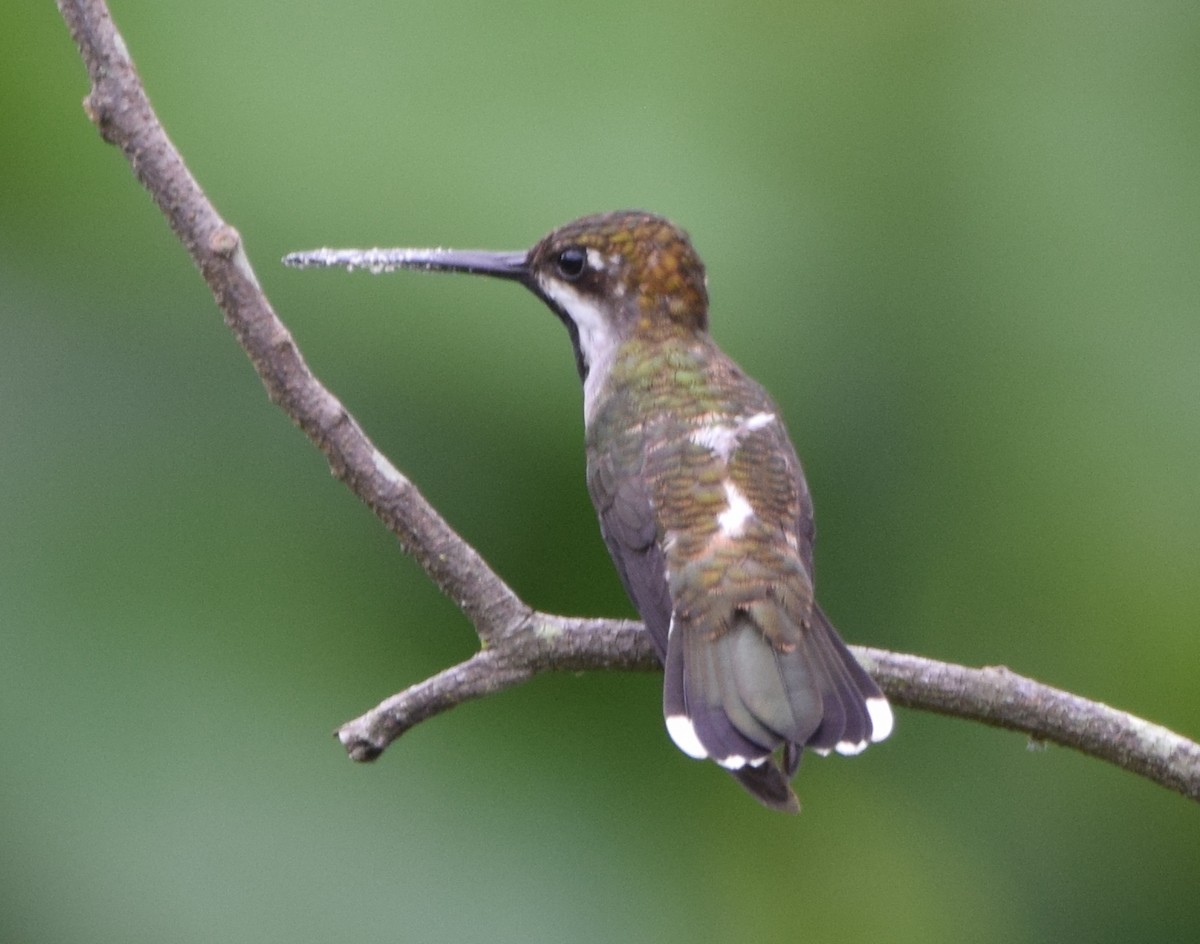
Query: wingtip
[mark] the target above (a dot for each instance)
(767, 784)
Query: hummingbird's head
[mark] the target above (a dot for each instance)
(614, 276)
(609, 277)
(640, 267)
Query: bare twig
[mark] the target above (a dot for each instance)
(518, 642)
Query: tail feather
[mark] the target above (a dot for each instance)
(738, 694)
(716, 709)
(778, 692)
(846, 724)
(756, 693)
(694, 704)
(856, 691)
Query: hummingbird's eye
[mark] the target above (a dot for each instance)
(571, 262)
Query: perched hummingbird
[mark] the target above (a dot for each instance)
(701, 499)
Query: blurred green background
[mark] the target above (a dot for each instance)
(959, 242)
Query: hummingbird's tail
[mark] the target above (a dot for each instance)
(738, 692)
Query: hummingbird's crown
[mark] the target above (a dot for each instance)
(630, 254)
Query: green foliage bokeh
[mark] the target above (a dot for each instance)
(959, 242)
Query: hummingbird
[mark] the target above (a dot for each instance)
(701, 498)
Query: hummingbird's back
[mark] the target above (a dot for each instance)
(707, 516)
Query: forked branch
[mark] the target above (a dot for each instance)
(518, 642)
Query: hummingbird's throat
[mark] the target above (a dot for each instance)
(595, 334)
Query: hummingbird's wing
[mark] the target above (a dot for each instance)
(806, 528)
(627, 522)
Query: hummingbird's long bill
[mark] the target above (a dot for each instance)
(504, 265)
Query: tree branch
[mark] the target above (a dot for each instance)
(518, 642)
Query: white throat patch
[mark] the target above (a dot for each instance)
(598, 339)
